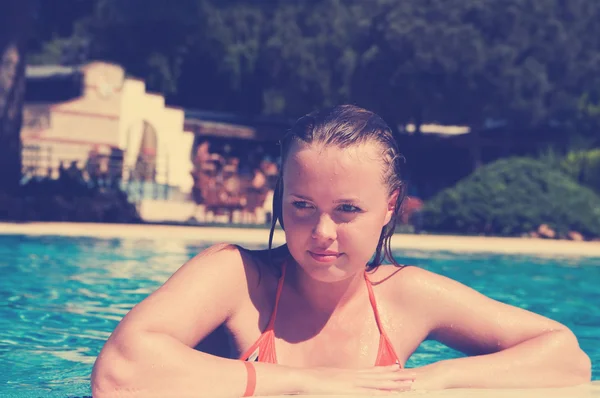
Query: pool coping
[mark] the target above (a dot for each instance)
(588, 390)
(254, 236)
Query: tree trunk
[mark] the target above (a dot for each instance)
(475, 146)
(14, 28)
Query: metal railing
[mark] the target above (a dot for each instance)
(97, 166)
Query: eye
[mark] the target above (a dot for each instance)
(346, 208)
(298, 204)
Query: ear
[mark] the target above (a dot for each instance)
(391, 208)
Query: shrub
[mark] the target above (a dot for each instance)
(514, 196)
(584, 167)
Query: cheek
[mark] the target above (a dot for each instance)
(296, 227)
(292, 218)
(365, 235)
(363, 232)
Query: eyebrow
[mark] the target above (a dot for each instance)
(343, 200)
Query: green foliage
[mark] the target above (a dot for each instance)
(298, 55)
(511, 197)
(551, 157)
(150, 38)
(524, 62)
(584, 167)
(310, 55)
(465, 61)
(57, 35)
(72, 50)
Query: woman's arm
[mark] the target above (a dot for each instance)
(509, 347)
(552, 359)
(157, 365)
(150, 353)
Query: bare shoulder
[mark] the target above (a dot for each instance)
(406, 279)
(415, 290)
(460, 316)
(410, 280)
(199, 297)
(225, 265)
(427, 292)
(225, 261)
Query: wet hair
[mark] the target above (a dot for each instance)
(344, 126)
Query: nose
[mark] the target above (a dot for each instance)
(325, 229)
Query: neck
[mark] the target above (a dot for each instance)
(325, 297)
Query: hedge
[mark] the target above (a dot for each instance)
(511, 197)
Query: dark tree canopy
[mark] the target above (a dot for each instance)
(472, 62)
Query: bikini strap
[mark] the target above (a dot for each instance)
(277, 296)
(374, 304)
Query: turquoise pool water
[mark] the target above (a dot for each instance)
(61, 297)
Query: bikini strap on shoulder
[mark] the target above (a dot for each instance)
(277, 296)
(374, 304)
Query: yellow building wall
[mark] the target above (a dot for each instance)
(112, 111)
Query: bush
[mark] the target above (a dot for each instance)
(55, 200)
(584, 166)
(514, 196)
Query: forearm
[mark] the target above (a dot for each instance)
(158, 366)
(553, 359)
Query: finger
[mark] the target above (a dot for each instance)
(404, 374)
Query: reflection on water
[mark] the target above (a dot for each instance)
(60, 298)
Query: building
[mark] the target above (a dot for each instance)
(95, 120)
(72, 112)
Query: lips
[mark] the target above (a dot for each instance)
(325, 253)
(324, 256)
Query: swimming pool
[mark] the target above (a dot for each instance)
(60, 297)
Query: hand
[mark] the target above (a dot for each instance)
(430, 377)
(379, 380)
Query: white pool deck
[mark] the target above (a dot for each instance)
(256, 236)
(401, 242)
(591, 390)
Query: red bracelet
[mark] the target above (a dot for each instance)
(251, 380)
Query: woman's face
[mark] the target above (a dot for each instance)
(335, 205)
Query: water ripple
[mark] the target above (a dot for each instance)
(60, 298)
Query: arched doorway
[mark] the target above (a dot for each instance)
(145, 164)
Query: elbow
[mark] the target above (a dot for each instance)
(582, 368)
(575, 361)
(112, 373)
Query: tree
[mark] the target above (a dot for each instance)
(14, 28)
(525, 63)
(521, 62)
(310, 55)
(286, 58)
(57, 35)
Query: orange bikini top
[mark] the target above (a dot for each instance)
(263, 350)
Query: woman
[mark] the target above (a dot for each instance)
(319, 315)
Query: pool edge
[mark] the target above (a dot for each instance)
(464, 244)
